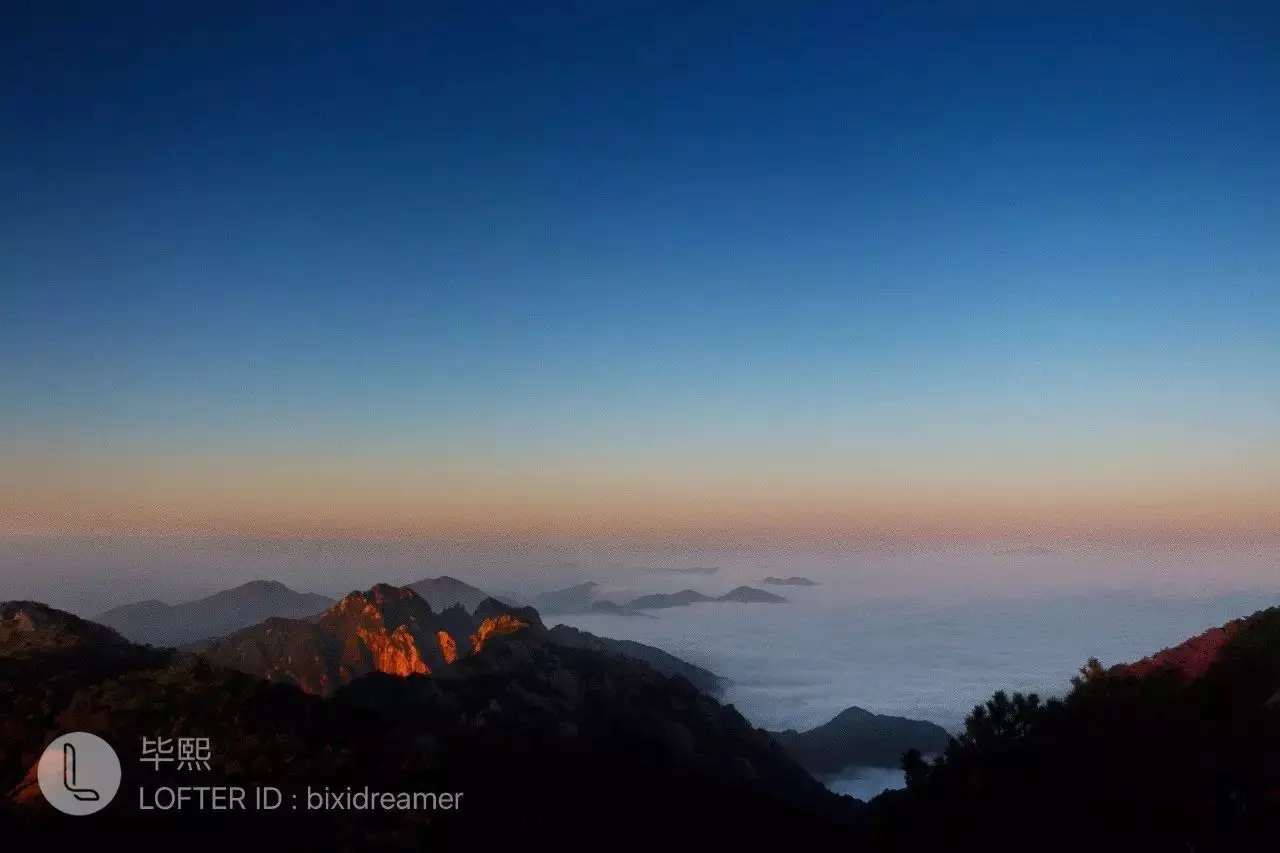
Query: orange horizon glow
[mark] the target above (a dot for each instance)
(690, 500)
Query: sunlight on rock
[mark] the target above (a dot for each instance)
(448, 647)
(396, 654)
(494, 627)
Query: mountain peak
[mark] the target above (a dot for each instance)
(263, 585)
(449, 579)
(751, 595)
(445, 591)
(573, 599)
(27, 626)
(215, 615)
(386, 629)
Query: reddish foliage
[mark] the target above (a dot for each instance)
(1190, 659)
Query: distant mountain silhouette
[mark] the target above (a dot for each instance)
(161, 624)
(856, 737)
(740, 595)
(794, 580)
(615, 609)
(385, 629)
(665, 663)
(751, 595)
(659, 600)
(445, 591)
(574, 599)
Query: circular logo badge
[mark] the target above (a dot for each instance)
(79, 773)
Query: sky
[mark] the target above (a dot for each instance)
(661, 272)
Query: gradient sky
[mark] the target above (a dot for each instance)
(660, 270)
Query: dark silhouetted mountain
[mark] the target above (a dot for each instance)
(794, 580)
(738, 595)
(28, 627)
(614, 609)
(47, 657)
(667, 664)
(551, 745)
(751, 595)
(446, 591)
(860, 738)
(492, 608)
(660, 600)
(161, 624)
(574, 599)
(574, 701)
(386, 629)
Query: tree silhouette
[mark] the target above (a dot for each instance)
(1156, 762)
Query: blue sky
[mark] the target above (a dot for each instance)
(582, 232)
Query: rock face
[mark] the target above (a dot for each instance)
(856, 737)
(495, 626)
(386, 629)
(160, 624)
(448, 646)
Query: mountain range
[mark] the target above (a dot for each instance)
(369, 693)
(579, 598)
(195, 624)
(159, 624)
(585, 598)
(385, 629)
(740, 595)
(794, 580)
(559, 740)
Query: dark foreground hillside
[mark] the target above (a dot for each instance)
(553, 746)
(1143, 758)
